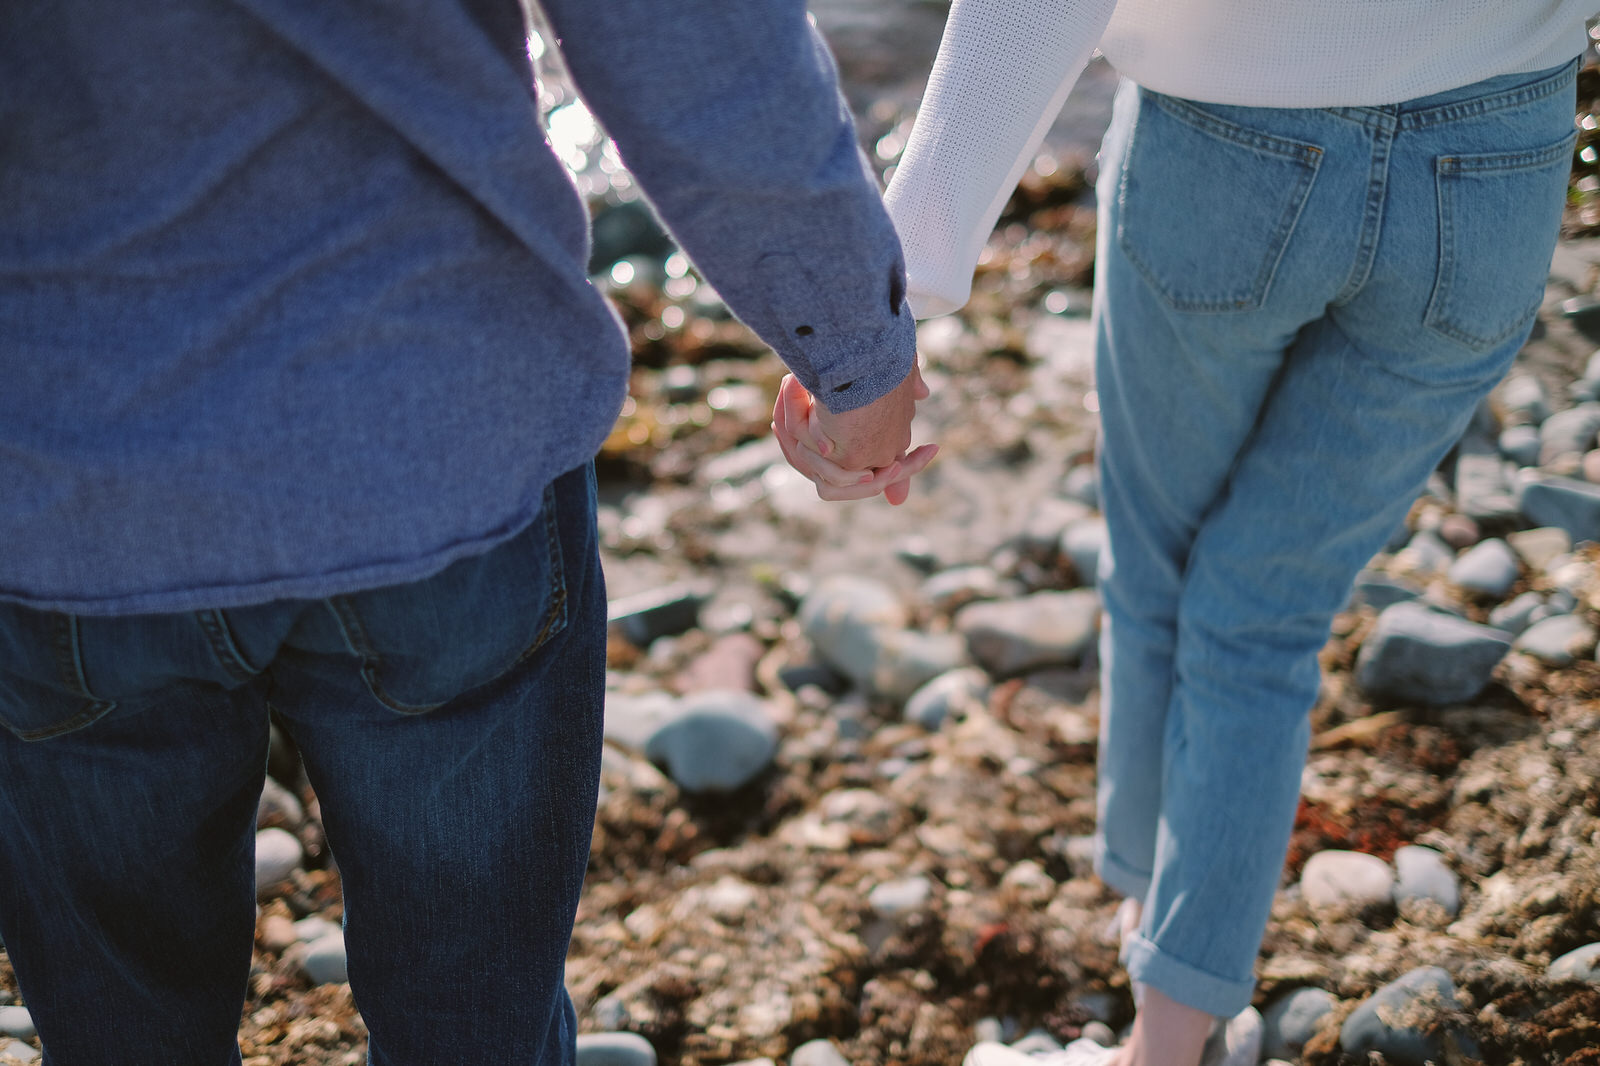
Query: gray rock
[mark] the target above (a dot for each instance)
(1293, 1020)
(1044, 629)
(278, 806)
(324, 961)
(1346, 879)
(1417, 655)
(718, 742)
(907, 659)
(1378, 590)
(278, 854)
(892, 899)
(1518, 614)
(1041, 534)
(17, 1022)
(658, 613)
(1521, 444)
(614, 1049)
(1393, 1020)
(314, 928)
(1422, 874)
(1557, 641)
(988, 1030)
(1082, 483)
(1082, 543)
(954, 588)
(15, 1051)
(918, 553)
(1580, 964)
(817, 1053)
(948, 696)
(1569, 431)
(1566, 503)
(1427, 553)
(845, 617)
(1482, 492)
(1488, 567)
(630, 720)
(1523, 399)
(1561, 601)
(611, 1013)
(1538, 546)
(1100, 1033)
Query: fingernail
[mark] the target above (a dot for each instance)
(823, 449)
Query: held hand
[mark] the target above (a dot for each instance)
(858, 454)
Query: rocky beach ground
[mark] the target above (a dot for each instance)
(848, 783)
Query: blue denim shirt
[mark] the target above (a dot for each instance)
(293, 296)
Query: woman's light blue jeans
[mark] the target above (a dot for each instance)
(1298, 311)
(452, 729)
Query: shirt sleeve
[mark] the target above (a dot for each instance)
(1003, 71)
(730, 117)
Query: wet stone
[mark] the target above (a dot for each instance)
(614, 1049)
(1521, 445)
(1566, 503)
(630, 720)
(951, 589)
(1378, 590)
(1517, 614)
(1538, 546)
(894, 899)
(278, 854)
(1568, 432)
(717, 742)
(1489, 568)
(1397, 1019)
(1081, 544)
(17, 1022)
(1523, 399)
(844, 617)
(1557, 641)
(1044, 629)
(1581, 964)
(1422, 874)
(659, 613)
(1427, 553)
(1082, 483)
(817, 1053)
(1418, 655)
(949, 696)
(13, 1050)
(1346, 879)
(1293, 1020)
(324, 960)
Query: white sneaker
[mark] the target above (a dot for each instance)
(1082, 1052)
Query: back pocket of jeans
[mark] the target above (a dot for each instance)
(1206, 207)
(43, 692)
(426, 643)
(1499, 214)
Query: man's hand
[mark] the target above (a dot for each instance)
(858, 454)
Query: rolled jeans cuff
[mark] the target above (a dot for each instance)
(1220, 996)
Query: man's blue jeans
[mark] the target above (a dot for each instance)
(1297, 312)
(452, 731)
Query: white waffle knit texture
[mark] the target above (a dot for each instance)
(1005, 67)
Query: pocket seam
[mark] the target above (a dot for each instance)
(355, 631)
(67, 646)
(1462, 165)
(1308, 158)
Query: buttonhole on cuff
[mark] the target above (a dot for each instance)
(897, 288)
(841, 388)
(803, 331)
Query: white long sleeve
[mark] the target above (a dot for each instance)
(1005, 67)
(1003, 71)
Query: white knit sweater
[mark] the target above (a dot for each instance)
(1005, 68)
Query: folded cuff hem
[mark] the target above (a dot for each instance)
(1215, 995)
(1119, 875)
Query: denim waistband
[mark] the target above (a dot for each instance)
(1480, 98)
